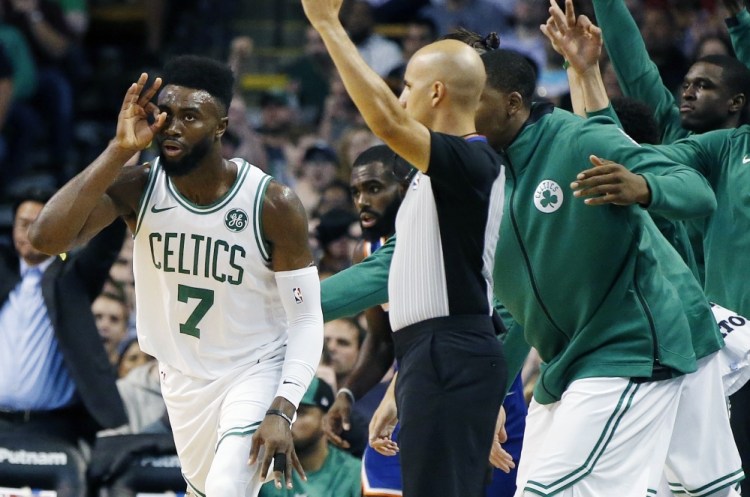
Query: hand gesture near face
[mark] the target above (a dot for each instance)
(134, 132)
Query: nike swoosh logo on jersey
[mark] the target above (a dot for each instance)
(157, 210)
(287, 382)
(745, 159)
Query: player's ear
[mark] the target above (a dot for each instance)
(222, 127)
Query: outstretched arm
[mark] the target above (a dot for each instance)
(285, 230)
(372, 96)
(104, 190)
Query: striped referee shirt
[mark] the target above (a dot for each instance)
(447, 227)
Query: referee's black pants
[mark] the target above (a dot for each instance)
(450, 387)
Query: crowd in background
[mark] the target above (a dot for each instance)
(58, 84)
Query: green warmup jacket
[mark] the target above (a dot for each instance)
(550, 245)
(723, 156)
(594, 316)
(674, 231)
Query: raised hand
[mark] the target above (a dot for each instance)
(578, 40)
(611, 183)
(134, 132)
(322, 11)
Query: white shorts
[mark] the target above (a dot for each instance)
(601, 438)
(734, 357)
(213, 423)
(703, 458)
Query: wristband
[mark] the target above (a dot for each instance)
(280, 413)
(348, 393)
(565, 65)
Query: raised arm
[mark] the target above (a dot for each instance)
(738, 25)
(579, 41)
(380, 109)
(285, 230)
(104, 190)
(637, 75)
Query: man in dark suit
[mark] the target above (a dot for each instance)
(55, 379)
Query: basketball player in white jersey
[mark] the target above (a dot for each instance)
(228, 297)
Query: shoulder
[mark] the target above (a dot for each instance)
(279, 199)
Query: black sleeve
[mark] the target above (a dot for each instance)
(460, 168)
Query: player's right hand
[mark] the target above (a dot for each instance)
(337, 421)
(134, 132)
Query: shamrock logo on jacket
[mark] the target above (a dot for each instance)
(548, 196)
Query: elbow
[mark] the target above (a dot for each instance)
(42, 241)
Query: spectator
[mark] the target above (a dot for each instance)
(336, 237)
(480, 16)
(319, 171)
(240, 139)
(55, 379)
(111, 316)
(380, 53)
(343, 339)
(419, 32)
(278, 122)
(19, 128)
(43, 24)
(131, 357)
(330, 471)
(309, 76)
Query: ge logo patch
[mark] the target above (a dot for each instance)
(548, 196)
(236, 220)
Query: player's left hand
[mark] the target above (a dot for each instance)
(611, 183)
(319, 12)
(275, 436)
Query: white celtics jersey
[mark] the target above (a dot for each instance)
(206, 295)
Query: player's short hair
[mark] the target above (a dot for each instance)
(402, 170)
(735, 76)
(508, 71)
(637, 120)
(201, 73)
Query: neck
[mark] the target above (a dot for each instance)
(315, 456)
(212, 179)
(453, 124)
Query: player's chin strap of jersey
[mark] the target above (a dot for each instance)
(300, 295)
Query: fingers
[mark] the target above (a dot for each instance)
(297, 465)
(280, 468)
(570, 13)
(384, 446)
(558, 16)
(336, 439)
(254, 449)
(147, 95)
(134, 91)
(500, 458)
